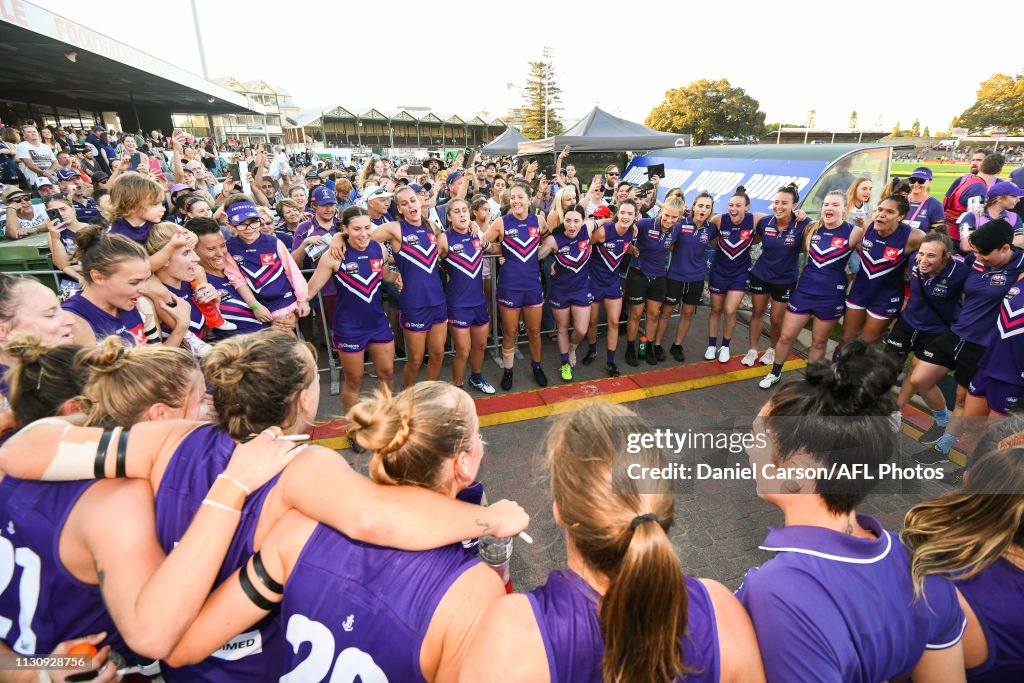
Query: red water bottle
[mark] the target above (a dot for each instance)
(210, 310)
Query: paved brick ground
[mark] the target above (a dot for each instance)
(718, 526)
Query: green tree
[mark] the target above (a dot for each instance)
(927, 133)
(540, 84)
(896, 131)
(1000, 102)
(708, 109)
(853, 119)
(915, 128)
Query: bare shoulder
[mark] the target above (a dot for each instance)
(737, 642)
(508, 640)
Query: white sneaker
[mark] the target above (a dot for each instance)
(769, 380)
(710, 353)
(896, 419)
(197, 346)
(723, 354)
(768, 358)
(750, 358)
(227, 326)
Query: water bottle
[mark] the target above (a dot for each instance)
(496, 553)
(210, 310)
(642, 353)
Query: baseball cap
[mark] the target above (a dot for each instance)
(43, 182)
(376, 192)
(1003, 188)
(417, 187)
(313, 174)
(67, 174)
(922, 172)
(602, 212)
(90, 148)
(178, 187)
(452, 177)
(241, 212)
(322, 195)
(98, 128)
(99, 178)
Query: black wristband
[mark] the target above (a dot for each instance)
(99, 465)
(264, 576)
(121, 469)
(250, 591)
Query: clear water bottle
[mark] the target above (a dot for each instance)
(496, 553)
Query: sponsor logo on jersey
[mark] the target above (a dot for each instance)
(411, 240)
(1012, 292)
(511, 232)
(456, 248)
(242, 645)
(999, 279)
(266, 259)
(376, 265)
(351, 267)
(867, 244)
(476, 245)
(432, 237)
(138, 334)
(838, 242)
(584, 244)
(534, 231)
(770, 232)
(891, 253)
(744, 234)
(349, 623)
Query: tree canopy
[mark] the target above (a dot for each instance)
(709, 109)
(541, 83)
(1000, 103)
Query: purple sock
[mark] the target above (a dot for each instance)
(712, 341)
(776, 369)
(565, 358)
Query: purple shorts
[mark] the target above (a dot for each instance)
(1002, 396)
(719, 284)
(601, 293)
(422, 319)
(463, 318)
(881, 309)
(562, 300)
(517, 298)
(822, 308)
(357, 340)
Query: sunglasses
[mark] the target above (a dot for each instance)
(916, 181)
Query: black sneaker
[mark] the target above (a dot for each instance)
(659, 353)
(506, 380)
(932, 435)
(631, 355)
(613, 370)
(954, 477)
(677, 352)
(651, 357)
(540, 377)
(930, 456)
(589, 358)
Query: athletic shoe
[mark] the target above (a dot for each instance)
(677, 352)
(651, 357)
(709, 354)
(768, 358)
(589, 358)
(197, 346)
(932, 435)
(768, 380)
(566, 372)
(482, 386)
(750, 358)
(631, 355)
(540, 377)
(373, 373)
(227, 326)
(930, 456)
(954, 477)
(723, 354)
(613, 370)
(506, 380)
(659, 353)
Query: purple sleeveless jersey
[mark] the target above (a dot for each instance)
(606, 262)
(521, 271)
(359, 317)
(233, 308)
(821, 288)
(1004, 358)
(354, 611)
(653, 243)
(464, 266)
(880, 283)
(996, 596)
(196, 323)
(779, 262)
(41, 603)
(983, 292)
(127, 325)
(572, 276)
(566, 611)
(191, 471)
(734, 240)
(417, 262)
(833, 607)
(263, 271)
(126, 229)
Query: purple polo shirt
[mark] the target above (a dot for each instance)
(838, 608)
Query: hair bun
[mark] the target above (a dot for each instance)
(225, 366)
(376, 424)
(103, 357)
(26, 348)
(858, 382)
(740, 189)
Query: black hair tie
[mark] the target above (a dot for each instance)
(640, 519)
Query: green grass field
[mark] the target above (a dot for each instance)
(944, 174)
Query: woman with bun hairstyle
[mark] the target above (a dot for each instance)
(43, 380)
(99, 566)
(821, 290)
(777, 269)
(623, 610)
(876, 296)
(837, 602)
(370, 613)
(360, 326)
(261, 381)
(976, 538)
(115, 271)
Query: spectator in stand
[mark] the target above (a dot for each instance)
(976, 159)
(926, 212)
(35, 158)
(45, 188)
(959, 202)
(60, 137)
(107, 154)
(72, 188)
(9, 140)
(23, 217)
(46, 136)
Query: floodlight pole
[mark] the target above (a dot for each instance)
(199, 42)
(547, 77)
